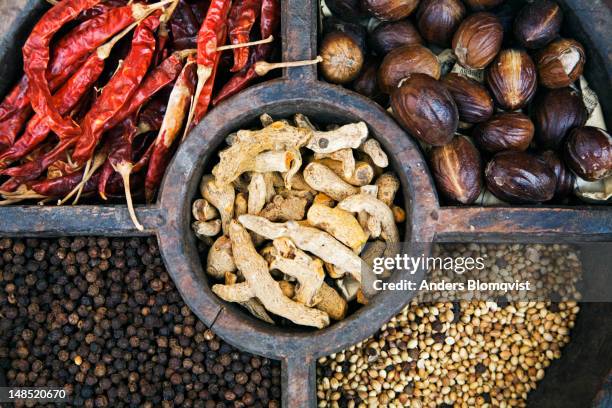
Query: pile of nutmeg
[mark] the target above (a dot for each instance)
(490, 89)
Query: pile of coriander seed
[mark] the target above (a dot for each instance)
(459, 354)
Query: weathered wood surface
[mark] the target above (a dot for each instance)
(520, 224)
(299, 92)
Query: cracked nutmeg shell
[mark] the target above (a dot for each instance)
(504, 131)
(483, 4)
(390, 10)
(425, 108)
(538, 23)
(478, 40)
(565, 178)
(512, 79)
(342, 58)
(555, 113)
(406, 60)
(519, 177)
(473, 101)
(561, 63)
(457, 170)
(438, 20)
(394, 34)
(588, 151)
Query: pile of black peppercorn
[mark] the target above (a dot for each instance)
(102, 318)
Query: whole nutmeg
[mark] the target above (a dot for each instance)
(555, 113)
(512, 79)
(425, 108)
(457, 170)
(390, 10)
(401, 62)
(519, 177)
(588, 151)
(357, 32)
(505, 131)
(394, 34)
(561, 63)
(473, 101)
(478, 40)
(506, 13)
(538, 23)
(483, 4)
(437, 20)
(367, 83)
(565, 178)
(342, 58)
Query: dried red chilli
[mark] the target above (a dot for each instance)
(121, 161)
(91, 34)
(163, 35)
(269, 23)
(60, 186)
(33, 169)
(14, 100)
(70, 52)
(162, 75)
(74, 47)
(177, 111)
(212, 34)
(242, 17)
(65, 99)
(161, 50)
(115, 186)
(184, 26)
(11, 127)
(103, 7)
(151, 116)
(60, 169)
(119, 89)
(36, 62)
(10, 185)
(119, 144)
(143, 159)
(17, 104)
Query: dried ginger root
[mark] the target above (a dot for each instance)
(380, 213)
(203, 211)
(347, 136)
(388, 186)
(372, 148)
(296, 263)
(323, 179)
(285, 209)
(362, 173)
(313, 240)
(331, 302)
(220, 259)
(341, 224)
(247, 144)
(345, 158)
(267, 290)
(310, 216)
(220, 195)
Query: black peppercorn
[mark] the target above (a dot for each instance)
(102, 317)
